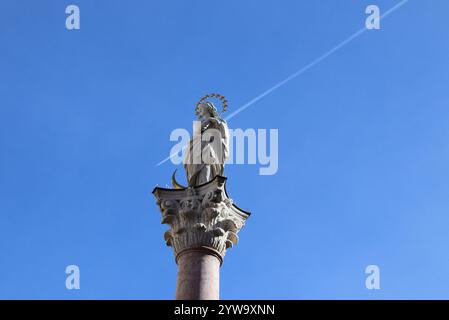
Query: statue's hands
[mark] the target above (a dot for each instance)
(213, 120)
(207, 122)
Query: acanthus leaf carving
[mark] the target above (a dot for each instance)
(200, 217)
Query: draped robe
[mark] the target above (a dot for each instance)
(207, 151)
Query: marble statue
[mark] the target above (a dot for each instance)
(208, 150)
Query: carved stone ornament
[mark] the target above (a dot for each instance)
(200, 218)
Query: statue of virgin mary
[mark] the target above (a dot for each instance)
(208, 150)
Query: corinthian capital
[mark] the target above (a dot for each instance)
(200, 218)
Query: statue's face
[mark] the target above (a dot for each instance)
(205, 113)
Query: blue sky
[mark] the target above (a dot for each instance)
(363, 145)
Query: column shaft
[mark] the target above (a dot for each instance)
(198, 276)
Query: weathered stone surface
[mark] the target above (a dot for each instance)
(200, 217)
(198, 276)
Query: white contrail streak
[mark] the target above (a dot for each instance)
(169, 157)
(313, 63)
(303, 69)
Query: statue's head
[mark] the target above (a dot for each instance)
(208, 110)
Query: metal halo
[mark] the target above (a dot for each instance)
(220, 97)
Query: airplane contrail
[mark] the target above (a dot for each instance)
(303, 69)
(313, 63)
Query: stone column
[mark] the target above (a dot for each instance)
(204, 223)
(198, 276)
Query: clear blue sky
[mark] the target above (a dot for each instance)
(363, 145)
